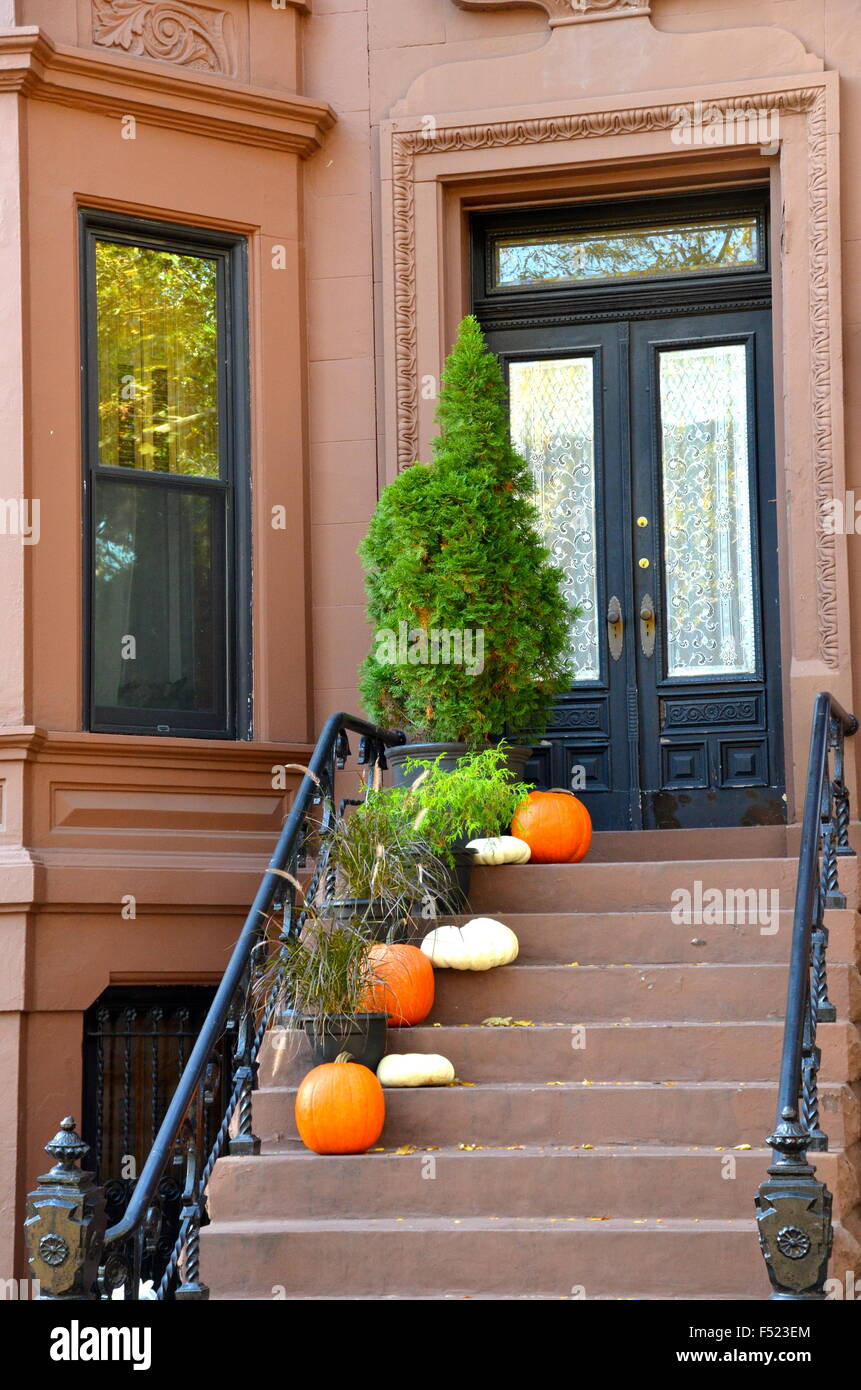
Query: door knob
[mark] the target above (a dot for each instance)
(615, 627)
(647, 625)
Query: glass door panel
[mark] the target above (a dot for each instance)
(705, 470)
(553, 427)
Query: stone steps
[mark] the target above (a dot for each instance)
(575, 1112)
(460, 1254)
(517, 1181)
(599, 1152)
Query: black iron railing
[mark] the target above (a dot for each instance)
(793, 1206)
(71, 1251)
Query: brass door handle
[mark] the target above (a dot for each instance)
(615, 627)
(647, 625)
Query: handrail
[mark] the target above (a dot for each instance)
(793, 1207)
(232, 1008)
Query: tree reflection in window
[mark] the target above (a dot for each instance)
(158, 360)
(628, 252)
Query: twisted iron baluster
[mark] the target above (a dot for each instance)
(245, 1141)
(829, 895)
(840, 792)
(193, 1207)
(810, 1060)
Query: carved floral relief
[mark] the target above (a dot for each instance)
(173, 31)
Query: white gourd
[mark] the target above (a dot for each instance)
(415, 1069)
(479, 945)
(500, 849)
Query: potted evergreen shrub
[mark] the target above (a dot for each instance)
(471, 627)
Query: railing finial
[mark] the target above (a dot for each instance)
(65, 1223)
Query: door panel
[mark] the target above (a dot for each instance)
(703, 474)
(645, 413)
(566, 414)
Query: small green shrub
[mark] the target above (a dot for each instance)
(477, 797)
(454, 547)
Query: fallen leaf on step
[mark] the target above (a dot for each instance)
(469, 1147)
(457, 1082)
(741, 1146)
(523, 1023)
(597, 1218)
(432, 1148)
(436, 1025)
(587, 1083)
(497, 1022)
(588, 1146)
(406, 1149)
(572, 962)
(514, 1146)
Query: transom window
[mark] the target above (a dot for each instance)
(704, 246)
(166, 480)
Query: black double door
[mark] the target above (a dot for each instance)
(651, 443)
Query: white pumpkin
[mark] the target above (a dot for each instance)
(479, 945)
(415, 1069)
(500, 849)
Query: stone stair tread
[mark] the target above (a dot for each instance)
(585, 1152)
(473, 1297)
(393, 1224)
(524, 1087)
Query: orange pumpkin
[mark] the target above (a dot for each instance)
(340, 1108)
(556, 826)
(402, 984)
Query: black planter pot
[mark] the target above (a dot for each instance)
(517, 759)
(362, 1035)
(371, 914)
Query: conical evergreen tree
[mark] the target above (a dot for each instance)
(455, 547)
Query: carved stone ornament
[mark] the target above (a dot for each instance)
(566, 11)
(65, 1223)
(172, 31)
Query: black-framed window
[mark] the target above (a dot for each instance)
(166, 479)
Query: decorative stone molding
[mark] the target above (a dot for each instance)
(202, 103)
(172, 31)
(407, 145)
(566, 11)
